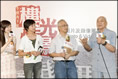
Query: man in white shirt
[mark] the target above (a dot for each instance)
(63, 49)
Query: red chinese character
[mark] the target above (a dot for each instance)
(26, 12)
(46, 45)
(22, 34)
(47, 31)
(51, 26)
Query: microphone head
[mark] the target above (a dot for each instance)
(101, 35)
(11, 31)
(62, 47)
(40, 47)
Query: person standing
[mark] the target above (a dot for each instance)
(63, 49)
(8, 50)
(103, 45)
(29, 49)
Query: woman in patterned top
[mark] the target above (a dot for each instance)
(8, 50)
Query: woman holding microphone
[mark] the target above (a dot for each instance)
(8, 50)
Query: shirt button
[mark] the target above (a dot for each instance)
(98, 54)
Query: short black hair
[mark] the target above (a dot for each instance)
(27, 23)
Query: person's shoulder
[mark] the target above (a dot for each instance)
(72, 36)
(39, 36)
(111, 31)
(55, 38)
(24, 38)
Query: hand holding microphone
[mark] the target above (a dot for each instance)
(66, 52)
(62, 55)
(11, 37)
(39, 52)
(101, 38)
(40, 49)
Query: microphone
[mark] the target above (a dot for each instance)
(103, 37)
(99, 34)
(40, 49)
(62, 47)
(11, 34)
(64, 50)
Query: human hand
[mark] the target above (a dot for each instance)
(83, 41)
(67, 56)
(38, 53)
(68, 50)
(101, 40)
(10, 39)
(62, 55)
(34, 53)
(28, 54)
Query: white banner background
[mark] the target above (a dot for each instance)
(78, 14)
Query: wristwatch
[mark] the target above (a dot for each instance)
(104, 43)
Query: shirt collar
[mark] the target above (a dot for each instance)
(29, 39)
(60, 36)
(105, 30)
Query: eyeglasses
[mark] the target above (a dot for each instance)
(64, 25)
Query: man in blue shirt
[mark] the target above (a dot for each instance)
(102, 44)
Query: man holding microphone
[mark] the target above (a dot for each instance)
(103, 45)
(63, 49)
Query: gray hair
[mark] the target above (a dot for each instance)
(60, 21)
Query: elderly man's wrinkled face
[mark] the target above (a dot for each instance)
(63, 27)
(101, 23)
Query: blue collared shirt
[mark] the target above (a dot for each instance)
(97, 60)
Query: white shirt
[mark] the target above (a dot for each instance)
(58, 42)
(26, 46)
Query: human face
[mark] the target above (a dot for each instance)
(32, 28)
(63, 27)
(8, 29)
(101, 23)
